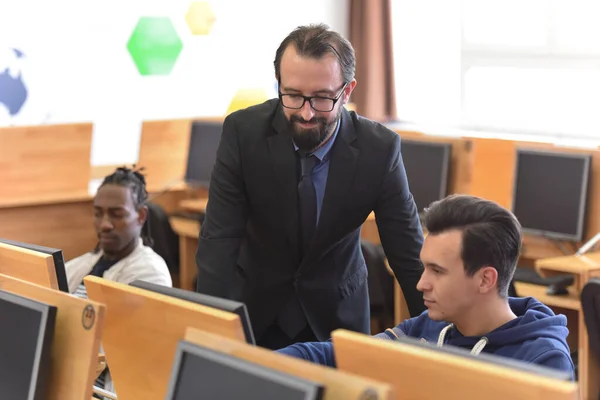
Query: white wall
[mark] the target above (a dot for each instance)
(77, 67)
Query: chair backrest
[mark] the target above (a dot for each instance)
(142, 330)
(76, 341)
(590, 302)
(28, 265)
(165, 240)
(338, 384)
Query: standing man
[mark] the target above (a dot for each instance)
(295, 178)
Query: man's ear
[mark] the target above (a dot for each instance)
(142, 214)
(488, 279)
(348, 90)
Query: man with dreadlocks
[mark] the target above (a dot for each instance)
(123, 253)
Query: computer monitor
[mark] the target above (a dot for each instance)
(202, 372)
(202, 153)
(410, 363)
(57, 256)
(26, 335)
(427, 167)
(205, 300)
(551, 193)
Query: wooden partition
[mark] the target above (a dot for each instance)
(164, 150)
(461, 161)
(338, 384)
(459, 178)
(426, 374)
(493, 178)
(44, 161)
(141, 333)
(28, 265)
(76, 342)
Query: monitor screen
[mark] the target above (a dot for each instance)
(550, 193)
(427, 166)
(57, 256)
(202, 153)
(199, 372)
(25, 343)
(205, 300)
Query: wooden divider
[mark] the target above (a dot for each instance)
(36, 161)
(418, 373)
(338, 384)
(76, 342)
(28, 265)
(164, 149)
(141, 333)
(461, 162)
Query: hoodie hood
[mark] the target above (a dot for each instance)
(534, 321)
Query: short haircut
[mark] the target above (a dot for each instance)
(491, 235)
(315, 41)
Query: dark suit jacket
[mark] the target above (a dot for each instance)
(249, 247)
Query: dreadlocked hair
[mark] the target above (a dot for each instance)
(134, 180)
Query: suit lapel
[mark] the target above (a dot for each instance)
(283, 158)
(342, 170)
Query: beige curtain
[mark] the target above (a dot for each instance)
(371, 37)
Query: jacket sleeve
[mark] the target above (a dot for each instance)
(316, 352)
(222, 231)
(400, 229)
(322, 352)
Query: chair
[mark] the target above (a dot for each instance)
(381, 285)
(590, 302)
(165, 240)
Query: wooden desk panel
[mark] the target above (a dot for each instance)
(36, 161)
(64, 225)
(64, 222)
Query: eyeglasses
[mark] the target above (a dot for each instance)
(318, 103)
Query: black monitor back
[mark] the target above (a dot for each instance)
(551, 193)
(231, 306)
(57, 256)
(427, 167)
(199, 372)
(26, 333)
(202, 153)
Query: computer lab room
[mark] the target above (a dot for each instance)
(317, 199)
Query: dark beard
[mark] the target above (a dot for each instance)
(309, 139)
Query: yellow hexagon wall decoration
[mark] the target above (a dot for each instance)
(247, 97)
(200, 18)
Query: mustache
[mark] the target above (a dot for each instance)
(296, 118)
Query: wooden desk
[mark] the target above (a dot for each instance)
(64, 220)
(188, 231)
(582, 268)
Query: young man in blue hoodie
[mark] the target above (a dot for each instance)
(470, 255)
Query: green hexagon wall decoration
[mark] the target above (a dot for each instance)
(154, 45)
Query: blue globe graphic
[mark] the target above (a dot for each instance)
(13, 91)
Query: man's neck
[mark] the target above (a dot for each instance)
(121, 254)
(486, 317)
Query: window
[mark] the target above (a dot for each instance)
(509, 66)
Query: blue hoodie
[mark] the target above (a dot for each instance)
(536, 336)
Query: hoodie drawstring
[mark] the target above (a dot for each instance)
(478, 348)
